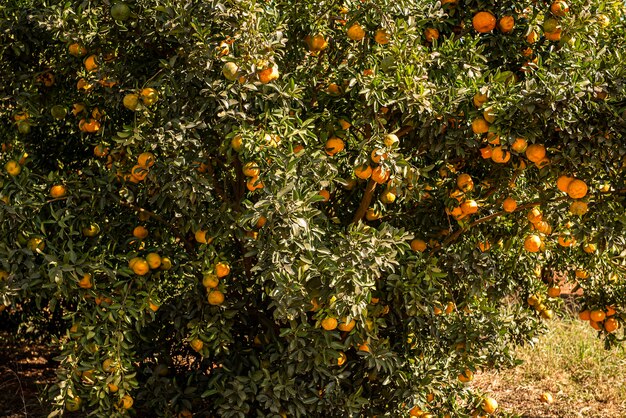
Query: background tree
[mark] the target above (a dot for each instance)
(306, 208)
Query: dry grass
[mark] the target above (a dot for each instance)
(569, 362)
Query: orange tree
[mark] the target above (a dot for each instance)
(306, 208)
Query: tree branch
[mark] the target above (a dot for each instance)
(365, 201)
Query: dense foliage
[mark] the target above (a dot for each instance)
(306, 208)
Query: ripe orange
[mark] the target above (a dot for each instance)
(484, 246)
(563, 182)
(553, 36)
(356, 32)
(222, 269)
(506, 24)
(341, 360)
(77, 50)
(577, 189)
(534, 216)
(595, 325)
(480, 99)
(566, 240)
(254, 183)
(543, 227)
(153, 306)
(140, 232)
(316, 43)
(535, 152)
(500, 156)
(325, 194)
(365, 347)
(519, 145)
(469, 207)
(251, 169)
(86, 281)
(532, 243)
(90, 63)
(36, 244)
(418, 245)
(146, 159)
(73, 404)
(465, 182)
(380, 175)
(431, 34)
(559, 8)
(489, 405)
(153, 260)
(201, 237)
(149, 96)
(267, 75)
(584, 315)
(582, 274)
(509, 205)
(590, 248)
(210, 281)
(486, 152)
(611, 325)
(381, 37)
(466, 376)
(57, 191)
(140, 267)
(391, 140)
(484, 22)
(166, 263)
(480, 126)
(610, 311)
(215, 297)
(597, 315)
(334, 145)
(372, 215)
(329, 323)
(554, 291)
(346, 326)
(532, 37)
(363, 171)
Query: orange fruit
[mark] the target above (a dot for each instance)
(372, 215)
(532, 37)
(431, 34)
(553, 36)
(210, 281)
(532, 243)
(559, 8)
(120, 12)
(251, 169)
(610, 311)
(519, 145)
(506, 24)
(73, 404)
(489, 405)
(166, 263)
(554, 292)
(254, 183)
(480, 99)
(509, 205)
(381, 37)
(146, 159)
(57, 191)
(131, 101)
(76, 50)
(563, 182)
(201, 237)
(578, 207)
(595, 325)
(325, 194)
(535, 152)
(90, 63)
(215, 297)
(590, 248)
(480, 126)
(611, 325)
(329, 323)
(365, 347)
(584, 315)
(543, 227)
(466, 376)
(222, 269)
(346, 325)
(418, 245)
(230, 71)
(464, 182)
(484, 22)
(484, 246)
(566, 240)
(153, 306)
(140, 267)
(546, 398)
(334, 145)
(534, 216)
(380, 175)
(196, 344)
(316, 43)
(356, 32)
(469, 207)
(153, 260)
(140, 232)
(577, 189)
(486, 152)
(86, 281)
(363, 171)
(267, 75)
(500, 156)
(149, 96)
(582, 274)
(341, 360)
(597, 315)
(391, 140)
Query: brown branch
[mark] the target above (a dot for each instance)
(188, 246)
(365, 201)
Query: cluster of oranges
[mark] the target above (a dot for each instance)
(601, 319)
(537, 302)
(153, 261)
(211, 282)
